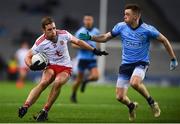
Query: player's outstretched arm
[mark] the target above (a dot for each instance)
(84, 45)
(75, 46)
(100, 38)
(166, 43)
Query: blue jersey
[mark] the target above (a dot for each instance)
(86, 54)
(135, 42)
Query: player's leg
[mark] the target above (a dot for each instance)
(47, 78)
(93, 75)
(121, 96)
(75, 86)
(82, 65)
(21, 77)
(136, 82)
(59, 81)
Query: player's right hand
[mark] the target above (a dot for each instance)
(99, 52)
(83, 36)
(173, 64)
(37, 67)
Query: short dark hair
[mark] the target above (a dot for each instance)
(134, 7)
(45, 21)
(88, 14)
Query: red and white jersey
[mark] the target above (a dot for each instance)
(57, 53)
(20, 55)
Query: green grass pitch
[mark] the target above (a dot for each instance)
(97, 104)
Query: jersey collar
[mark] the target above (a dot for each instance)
(89, 29)
(140, 23)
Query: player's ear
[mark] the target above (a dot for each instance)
(136, 16)
(139, 15)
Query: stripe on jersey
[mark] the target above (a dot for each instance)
(40, 39)
(61, 31)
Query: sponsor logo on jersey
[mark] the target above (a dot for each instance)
(62, 42)
(54, 45)
(58, 53)
(46, 48)
(133, 44)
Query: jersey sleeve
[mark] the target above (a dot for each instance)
(153, 32)
(69, 36)
(36, 48)
(116, 29)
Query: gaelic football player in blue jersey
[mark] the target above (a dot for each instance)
(86, 59)
(135, 38)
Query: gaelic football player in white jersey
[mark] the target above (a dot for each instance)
(53, 43)
(22, 67)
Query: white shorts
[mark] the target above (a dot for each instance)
(123, 80)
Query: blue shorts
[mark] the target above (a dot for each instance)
(128, 70)
(84, 64)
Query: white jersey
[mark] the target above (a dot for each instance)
(20, 55)
(57, 53)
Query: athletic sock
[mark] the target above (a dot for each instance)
(46, 108)
(131, 106)
(150, 100)
(74, 94)
(26, 104)
(86, 81)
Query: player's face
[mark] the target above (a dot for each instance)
(50, 31)
(129, 16)
(88, 21)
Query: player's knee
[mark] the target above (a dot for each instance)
(78, 81)
(59, 83)
(134, 84)
(95, 77)
(120, 97)
(135, 81)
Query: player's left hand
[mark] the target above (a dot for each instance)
(99, 52)
(173, 64)
(37, 67)
(83, 36)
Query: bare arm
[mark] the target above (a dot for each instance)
(102, 38)
(74, 45)
(81, 44)
(167, 45)
(28, 58)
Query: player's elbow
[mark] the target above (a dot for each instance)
(106, 37)
(27, 61)
(80, 43)
(163, 39)
(28, 58)
(74, 45)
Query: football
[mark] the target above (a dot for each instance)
(41, 57)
